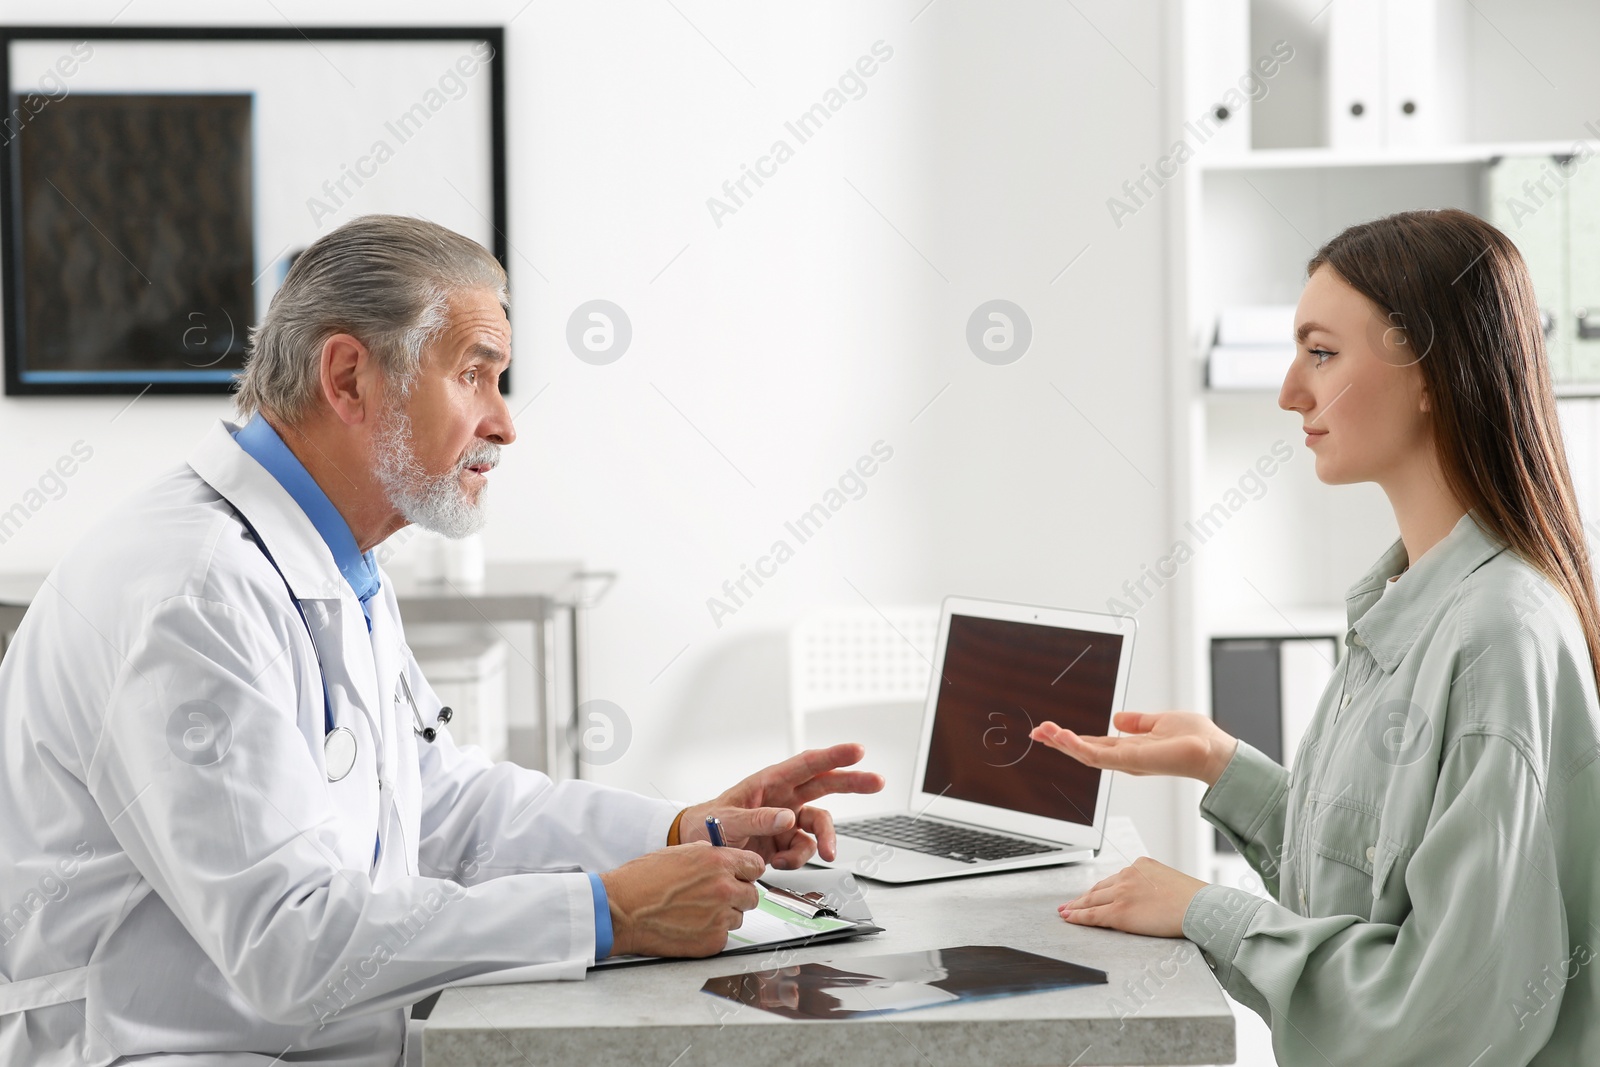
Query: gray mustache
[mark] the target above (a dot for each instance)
(485, 452)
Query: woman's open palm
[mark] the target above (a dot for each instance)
(1178, 743)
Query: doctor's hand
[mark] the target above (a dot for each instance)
(1170, 742)
(1147, 898)
(681, 901)
(768, 812)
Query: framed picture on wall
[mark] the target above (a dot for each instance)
(157, 182)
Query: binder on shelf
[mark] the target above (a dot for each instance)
(1397, 73)
(1264, 691)
(1580, 327)
(1552, 213)
(1355, 74)
(1217, 57)
(1425, 85)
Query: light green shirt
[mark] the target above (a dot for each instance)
(1433, 856)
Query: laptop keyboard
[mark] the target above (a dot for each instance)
(942, 839)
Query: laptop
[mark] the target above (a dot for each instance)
(985, 797)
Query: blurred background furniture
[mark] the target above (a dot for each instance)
(858, 674)
(515, 697)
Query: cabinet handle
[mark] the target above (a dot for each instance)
(1587, 330)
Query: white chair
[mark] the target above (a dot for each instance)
(856, 674)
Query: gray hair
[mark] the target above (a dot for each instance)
(385, 280)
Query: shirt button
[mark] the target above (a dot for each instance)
(1302, 898)
(1345, 703)
(1356, 640)
(1372, 853)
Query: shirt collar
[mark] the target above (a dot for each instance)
(262, 443)
(1388, 624)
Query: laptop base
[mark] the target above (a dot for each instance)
(898, 866)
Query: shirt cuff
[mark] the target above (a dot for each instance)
(602, 918)
(1249, 790)
(1216, 920)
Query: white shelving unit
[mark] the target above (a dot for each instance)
(1410, 156)
(1245, 224)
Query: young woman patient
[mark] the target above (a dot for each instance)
(1433, 857)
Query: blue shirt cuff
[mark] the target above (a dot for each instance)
(602, 918)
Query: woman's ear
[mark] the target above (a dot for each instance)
(1427, 398)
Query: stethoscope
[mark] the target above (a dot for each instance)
(427, 733)
(338, 742)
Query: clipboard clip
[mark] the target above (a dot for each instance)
(810, 905)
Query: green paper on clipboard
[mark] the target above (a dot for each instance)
(797, 908)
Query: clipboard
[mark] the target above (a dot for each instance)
(798, 908)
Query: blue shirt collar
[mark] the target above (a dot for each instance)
(261, 441)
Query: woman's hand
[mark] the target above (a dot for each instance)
(1147, 898)
(1170, 742)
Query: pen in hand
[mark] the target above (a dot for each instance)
(714, 829)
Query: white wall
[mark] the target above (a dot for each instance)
(821, 317)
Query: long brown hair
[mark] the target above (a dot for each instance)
(1460, 291)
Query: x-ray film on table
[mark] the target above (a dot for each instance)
(875, 985)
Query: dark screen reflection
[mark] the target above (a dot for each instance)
(1001, 679)
(873, 985)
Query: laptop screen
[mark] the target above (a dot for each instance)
(1000, 680)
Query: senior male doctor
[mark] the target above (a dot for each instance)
(224, 840)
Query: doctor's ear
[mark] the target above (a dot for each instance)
(352, 381)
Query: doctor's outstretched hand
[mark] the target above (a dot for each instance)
(769, 813)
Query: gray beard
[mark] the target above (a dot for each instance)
(434, 502)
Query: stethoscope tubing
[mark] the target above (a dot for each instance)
(329, 730)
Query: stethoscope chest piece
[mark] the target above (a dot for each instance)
(339, 753)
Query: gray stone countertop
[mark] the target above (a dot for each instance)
(1162, 1004)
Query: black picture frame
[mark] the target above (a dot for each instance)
(12, 285)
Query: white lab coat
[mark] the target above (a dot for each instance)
(177, 874)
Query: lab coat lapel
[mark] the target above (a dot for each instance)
(362, 678)
(286, 530)
(399, 755)
(345, 651)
